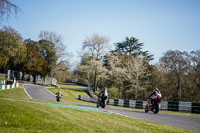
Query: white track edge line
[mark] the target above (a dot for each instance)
(27, 93)
(49, 90)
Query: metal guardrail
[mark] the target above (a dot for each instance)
(164, 105)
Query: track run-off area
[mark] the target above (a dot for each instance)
(186, 122)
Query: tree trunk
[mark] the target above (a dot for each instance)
(34, 78)
(95, 82)
(136, 89)
(23, 73)
(179, 88)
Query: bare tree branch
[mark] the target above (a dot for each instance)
(7, 8)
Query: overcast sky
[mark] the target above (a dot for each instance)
(160, 24)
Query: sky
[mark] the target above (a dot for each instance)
(161, 25)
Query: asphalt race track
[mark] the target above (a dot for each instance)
(185, 122)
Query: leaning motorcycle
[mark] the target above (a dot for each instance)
(154, 107)
(101, 101)
(58, 98)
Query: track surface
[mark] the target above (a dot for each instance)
(185, 122)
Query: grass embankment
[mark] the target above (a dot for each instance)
(16, 93)
(29, 117)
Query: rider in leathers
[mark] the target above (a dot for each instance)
(58, 94)
(154, 95)
(103, 94)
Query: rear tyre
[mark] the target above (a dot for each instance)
(103, 105)
(97, 104)
(146, 109)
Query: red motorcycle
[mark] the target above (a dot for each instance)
(154, 107)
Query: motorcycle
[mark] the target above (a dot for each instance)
(154, 107)
(101, 101)
(58, 99)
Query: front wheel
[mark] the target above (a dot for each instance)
(58, 99)
(155, 108)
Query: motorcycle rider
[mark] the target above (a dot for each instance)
(153, 96)
(58, 94)
(103, 94)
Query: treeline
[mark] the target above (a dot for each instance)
(46, 57)
(125, 70)
(127, 73)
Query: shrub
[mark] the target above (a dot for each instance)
(113, 93)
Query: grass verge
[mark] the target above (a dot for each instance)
(16, 93)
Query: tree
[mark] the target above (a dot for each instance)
(11, 47)
(7, 8)
(60, 49)
(62, 72)
(194, 75)
(42, 51)
(57, 42)
(116, 71)
(92, 70)
(49, 54)
(132, 46)
(94, 48)
(17, 61)
(35, 63)
(134, 63)
(163, 80)
(195, 65)
(177, 63)
(135, 69)
(126, 73)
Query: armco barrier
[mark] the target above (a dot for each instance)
(173, 106)
(4, 87)
(126, 103)
(132, 103)
(2, 81)
(195, 107)
(164, 105)
(116, 101)
(185, 106)
(139, 105)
